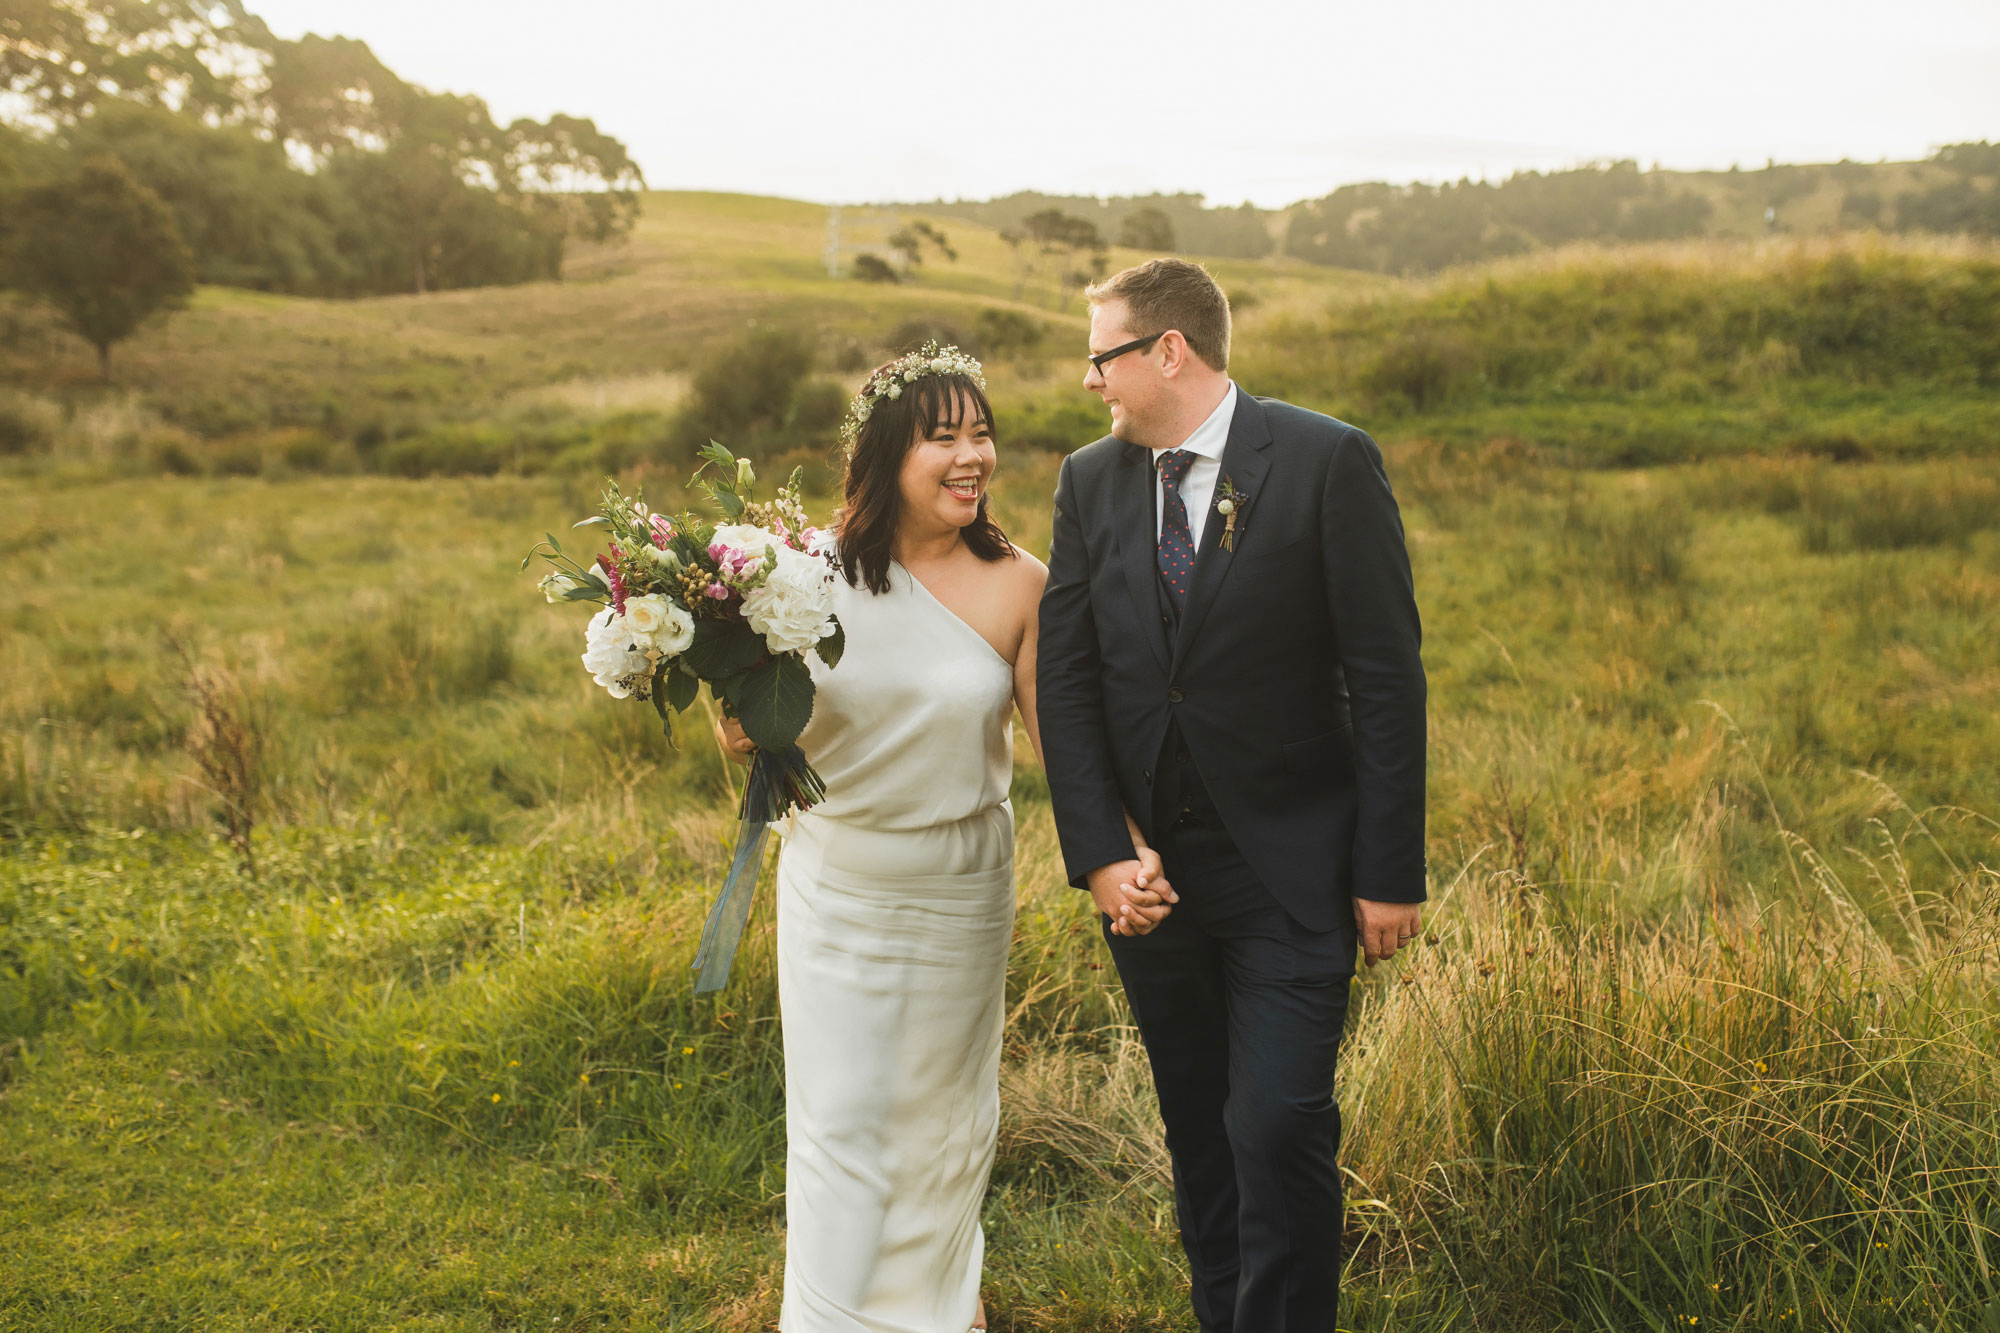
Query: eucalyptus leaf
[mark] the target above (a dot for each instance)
(775, 702)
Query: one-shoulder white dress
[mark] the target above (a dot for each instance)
(895, 910)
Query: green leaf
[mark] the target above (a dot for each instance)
(728, 501)
(728, 691)
(723, 648)
(594, 521)
(720, 456)
(832, 646)
(682, 687)
(579, 592)
(776, 702)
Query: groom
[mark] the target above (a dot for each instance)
(1229, 653)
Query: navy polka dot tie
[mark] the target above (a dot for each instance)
(1176, 543)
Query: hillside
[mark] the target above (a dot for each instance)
(1844, 345)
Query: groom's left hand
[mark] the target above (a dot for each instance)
(1386, 927)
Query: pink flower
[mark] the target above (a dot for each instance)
(617, 584)
(716, 591)
(663, 530)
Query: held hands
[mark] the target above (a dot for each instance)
(729, 735)
(1386, 927)
(1134, 894)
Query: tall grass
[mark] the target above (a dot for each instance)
(1679, 744)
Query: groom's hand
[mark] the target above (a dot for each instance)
(1134, 894)
(1386, 927)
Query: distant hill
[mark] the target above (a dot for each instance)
(1411, 229)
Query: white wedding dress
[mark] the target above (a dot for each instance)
(895, 910)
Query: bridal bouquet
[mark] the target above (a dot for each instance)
(735, 606)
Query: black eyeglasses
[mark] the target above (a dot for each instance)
(1136, 344)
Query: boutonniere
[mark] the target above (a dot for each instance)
(1231, 507)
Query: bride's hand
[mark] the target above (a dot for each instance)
(729, 735)
(1132, 893)
(1149, 896)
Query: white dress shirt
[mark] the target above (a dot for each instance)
(1198, 486)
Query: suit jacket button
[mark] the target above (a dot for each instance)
(1148, 775)
(1174, 695)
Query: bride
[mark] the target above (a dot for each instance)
(896, 893)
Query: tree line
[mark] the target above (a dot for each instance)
(182, 138)
(1420, 228)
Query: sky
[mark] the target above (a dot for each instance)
(877, 100)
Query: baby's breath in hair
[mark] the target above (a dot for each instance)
(932, 358)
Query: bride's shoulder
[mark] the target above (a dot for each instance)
(1026, 569)
(1023, 577)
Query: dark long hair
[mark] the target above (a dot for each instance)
(874, 487)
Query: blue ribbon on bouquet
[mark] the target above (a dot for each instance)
(773, 787)
(724, 928)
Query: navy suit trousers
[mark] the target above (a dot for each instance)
(1241, 1010)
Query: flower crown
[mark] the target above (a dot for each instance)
(932, 358)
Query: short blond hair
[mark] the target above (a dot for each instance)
(1163, 294)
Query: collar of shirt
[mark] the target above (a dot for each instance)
(1198, 487)
(1211, 435)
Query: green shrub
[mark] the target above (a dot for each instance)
(477, 449)
(1892, 513)
(27, 424)
(748, 395)
(305, 451)
(1422, 369)
(1008, 332)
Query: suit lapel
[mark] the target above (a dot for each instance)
(1138, 548)
(1244, 464)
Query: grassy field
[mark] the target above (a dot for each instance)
(1703, 1037)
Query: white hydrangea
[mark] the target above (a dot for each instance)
(793, 609)
(613, 657)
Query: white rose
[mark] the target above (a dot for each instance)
(657, 626)
(745, 537)
(794, 608)
(611, 656)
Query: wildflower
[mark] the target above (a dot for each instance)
(1763, 1068)
(584, 1078)
(687, 1050)
(677, 1087)
(496, 1096)
(513, 1064)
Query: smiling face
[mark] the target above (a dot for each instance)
(1130, 385)
(945, 473)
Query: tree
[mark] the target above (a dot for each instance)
(64, 58)
(1066, 241)
(104, 250)
(420, 158)
(909, 241)
(250, 217)
(1146, 229)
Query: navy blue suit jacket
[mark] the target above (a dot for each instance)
(1294, 672)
